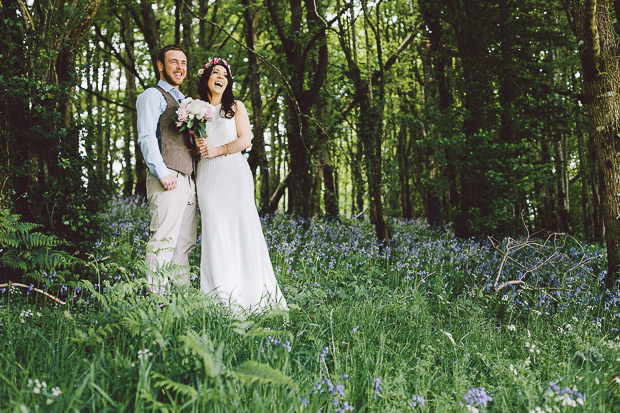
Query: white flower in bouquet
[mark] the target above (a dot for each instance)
(194, 114)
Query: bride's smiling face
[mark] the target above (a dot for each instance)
(218, 81)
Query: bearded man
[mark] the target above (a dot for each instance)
(170, 185)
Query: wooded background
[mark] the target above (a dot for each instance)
(491, 116)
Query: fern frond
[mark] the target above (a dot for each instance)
(91, 288)
(204, 348)
(13, 259)
(37, 240)
(251, 371)
(241, 326)
(171, 385)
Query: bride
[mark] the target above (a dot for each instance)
(235, 264)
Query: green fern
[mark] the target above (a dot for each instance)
(26, 251)
(251, 371)
(171, 385)
(205, 349)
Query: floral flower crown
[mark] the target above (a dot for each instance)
(213, 62)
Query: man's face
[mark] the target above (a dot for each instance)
(174, 68)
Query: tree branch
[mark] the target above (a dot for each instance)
(106, 99)
(275, 198)
(286, 43)
(327, 24)
(10, 284)
(392, 59)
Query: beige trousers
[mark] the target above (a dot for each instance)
(173, 231)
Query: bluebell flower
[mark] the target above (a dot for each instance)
(477, 396)
(417, 400)
(377, 387)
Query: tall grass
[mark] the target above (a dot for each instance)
(414, 327)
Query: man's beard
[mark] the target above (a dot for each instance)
(169, 78)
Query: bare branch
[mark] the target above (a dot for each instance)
(106, 99)
(11, 284)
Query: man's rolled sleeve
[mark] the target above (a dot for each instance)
(149, 108)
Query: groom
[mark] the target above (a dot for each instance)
(170, 185)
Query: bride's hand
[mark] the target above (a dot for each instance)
(198, 142)
(208, 151)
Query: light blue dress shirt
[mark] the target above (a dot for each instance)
(150, 105)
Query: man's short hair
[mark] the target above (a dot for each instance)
(161, 56)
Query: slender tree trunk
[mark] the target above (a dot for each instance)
(330, 194)
(258, 154)
(187, 42)
(178, 4)
(370, 130)
(586, 213)
(594, 177)
(548, 218)
(561, 180)
(132, 96)
(358, 190)
(403, 157)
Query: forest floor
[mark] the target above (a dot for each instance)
(428, 324)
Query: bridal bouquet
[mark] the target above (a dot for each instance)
(194, 115)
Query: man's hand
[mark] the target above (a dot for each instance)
(169, 182)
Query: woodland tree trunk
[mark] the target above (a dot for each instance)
(474, 191)
(598, 50)
(258, 155)
(586, 211)
(132, 96)
(306, 64)
(330, 193)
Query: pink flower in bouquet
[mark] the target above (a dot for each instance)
(193, 114)
(182, 115)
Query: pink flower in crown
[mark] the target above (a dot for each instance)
(213, 62)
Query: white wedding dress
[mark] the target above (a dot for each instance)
(235, 265)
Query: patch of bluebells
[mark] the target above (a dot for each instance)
(326, 387)
(475, 399)
(322, 255)
(319, 254)
(275, 342)
(566, 396)
(335, 391)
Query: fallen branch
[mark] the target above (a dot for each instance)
(28, 287)
(546, 253)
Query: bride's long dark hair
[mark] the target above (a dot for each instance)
(228, 99)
